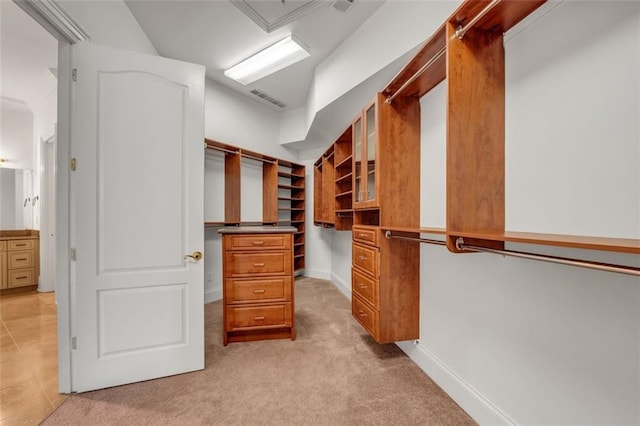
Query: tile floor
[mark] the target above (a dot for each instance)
(28, 358)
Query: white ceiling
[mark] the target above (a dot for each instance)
(28, 51)
(218, 34)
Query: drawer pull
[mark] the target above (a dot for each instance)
(362, 235)
(258, 291)
(258, 318)
(362, 257)
(361, 314)
(258, 243)
(258, 264)
(20, 245)
(362, 286)
(21, 259)
(21, 278)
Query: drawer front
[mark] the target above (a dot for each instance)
(21, 259)
(21, 245)
(261, 289)
(365, 315)
(21, 277)
(365, 235)
(256, 317)
(3, 245)
(3, 269)
(257, 264)
(366, 258)
(365, 286)
(258, 242)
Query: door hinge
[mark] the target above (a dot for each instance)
(74, 74)
(72, 254)
(74, 164)
(74, 343)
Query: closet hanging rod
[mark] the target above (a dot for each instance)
(228, 151)
(417, 74)
(388, 235)
(460, 245)
(462, 30)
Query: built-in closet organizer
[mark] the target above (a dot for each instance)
(386, 177)
(283, 194)
(258, 290)
(19, 259)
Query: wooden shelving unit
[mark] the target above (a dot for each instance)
(324, 190)
(283, 193)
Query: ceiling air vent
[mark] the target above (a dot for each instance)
(268, 98)
(342, 5)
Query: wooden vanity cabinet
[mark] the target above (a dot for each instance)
(19, 262)
(258, 289)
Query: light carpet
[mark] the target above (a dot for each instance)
(332, 374)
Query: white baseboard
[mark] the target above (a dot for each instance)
(317, 273)
(211, 295)
(342, 286)
(475, 404)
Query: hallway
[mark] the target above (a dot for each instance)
(28, 358)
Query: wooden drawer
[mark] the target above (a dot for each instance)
(3, 270)
(258, 242)
(365, 286)
(257, 290)
(257, 317)
(365, 315)
(21, 259)
(3, 246)
(365, 258)
(21, 277)
(21, 245)
(238, 264)
(365, 235)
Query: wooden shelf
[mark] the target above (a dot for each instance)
(620, 245)
(344, 194)
(290, 199)
(289, 175)
(344, 178)
(283, 186)
(345, 162)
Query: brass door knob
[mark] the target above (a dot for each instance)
(195, 256)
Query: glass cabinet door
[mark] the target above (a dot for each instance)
(370, 146)
(358, 183)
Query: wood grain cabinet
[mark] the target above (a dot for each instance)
(258, 289)
(385, 288)
(19, 262)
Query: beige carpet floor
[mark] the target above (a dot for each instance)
(332, 374)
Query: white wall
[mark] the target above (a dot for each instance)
(16, 138)
(109, 23)
(526, 342)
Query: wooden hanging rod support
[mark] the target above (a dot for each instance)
(462, 30)
(460, 245)
(239, 152)
(417, 74)
(389, 234)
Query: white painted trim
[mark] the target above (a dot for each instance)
(62, 266)
(472, 401)
(343, 287)
(53, 19)
(212, 295)
(317, 273)
(14, 104)
(281, 21)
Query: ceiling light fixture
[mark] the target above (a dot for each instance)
(286, 52)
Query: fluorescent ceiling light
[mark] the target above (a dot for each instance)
(286, 52)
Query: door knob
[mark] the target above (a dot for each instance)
(195, 256)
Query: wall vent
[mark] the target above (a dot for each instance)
(268, 98)
(342, 5)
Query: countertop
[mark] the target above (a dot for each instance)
(19, 234)
(257, 230)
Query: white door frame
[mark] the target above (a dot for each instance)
(66, 31)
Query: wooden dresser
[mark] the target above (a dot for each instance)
(19, 259)
(258, 289)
